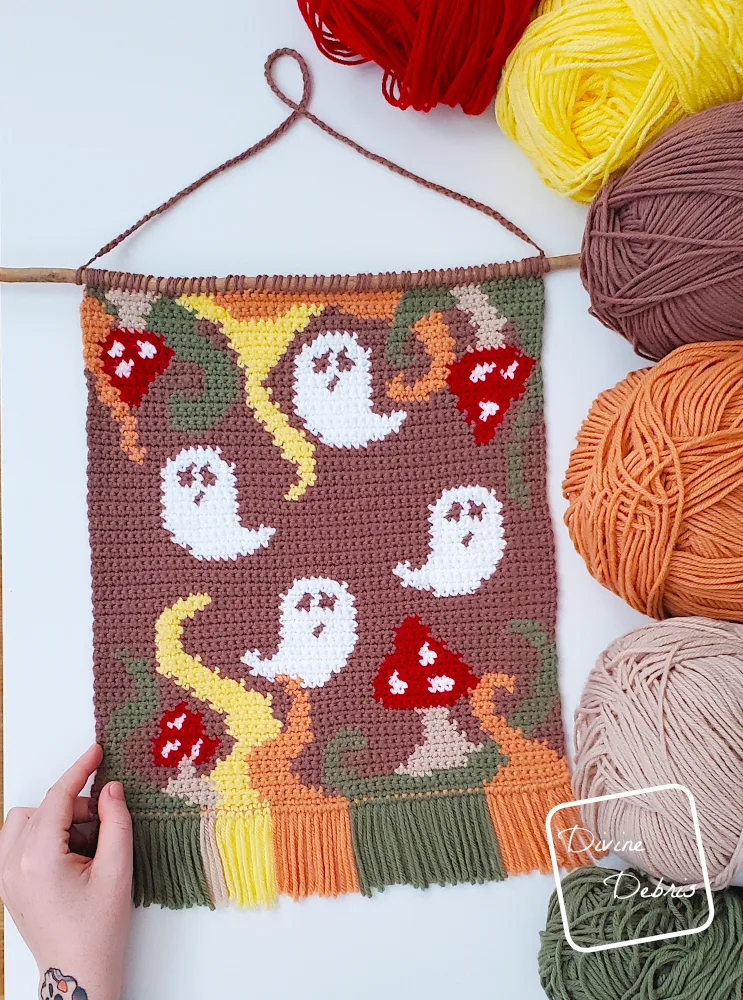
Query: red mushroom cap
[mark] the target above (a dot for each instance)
(421, 672)
(485, 382)
(132, 360)
(182, 737)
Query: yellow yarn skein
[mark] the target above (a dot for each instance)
(593, 81)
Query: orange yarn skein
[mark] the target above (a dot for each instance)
(655, 485)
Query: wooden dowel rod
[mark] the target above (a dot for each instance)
(69, 275)
(64, 275)
(565, 262)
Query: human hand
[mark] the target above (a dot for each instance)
(72, 911)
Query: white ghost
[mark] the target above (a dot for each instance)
(466, 542)
(333, 390)
(318, 633)
(199, 507)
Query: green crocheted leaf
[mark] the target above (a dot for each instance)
(481, 766)
(545, 690)
(142, 796)
(221, 378)
(522, 301)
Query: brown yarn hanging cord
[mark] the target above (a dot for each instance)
(85, 274)
(527, 267)
(301, 110)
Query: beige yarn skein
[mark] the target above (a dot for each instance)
(664, 704)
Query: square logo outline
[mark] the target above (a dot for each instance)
(702, 861)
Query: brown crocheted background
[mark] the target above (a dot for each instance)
(363, 434)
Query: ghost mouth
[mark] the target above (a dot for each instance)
(333, 383)
(198, 498)
(467, 539)
(318, 630)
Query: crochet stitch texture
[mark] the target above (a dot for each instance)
(324, 586)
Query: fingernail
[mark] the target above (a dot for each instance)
(116, 790)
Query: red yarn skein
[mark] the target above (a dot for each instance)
(432, 51)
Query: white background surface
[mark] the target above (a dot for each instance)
(107, 109)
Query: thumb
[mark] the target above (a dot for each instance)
(113, 856)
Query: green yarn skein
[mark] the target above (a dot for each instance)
(703, 966)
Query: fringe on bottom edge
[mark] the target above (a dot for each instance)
(424, 841)
(519, 821)
(248, 859)
(168, 866)
(314, 852)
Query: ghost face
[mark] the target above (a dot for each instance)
(199, 507)
(318, 633)
(333, 393)
(466, 543)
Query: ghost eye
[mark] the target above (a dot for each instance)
(455, 512)
(207, 476)
(344, 363)
(321, 364)
(186, 477)
(327, 601)
(305, 602)
(476, 510)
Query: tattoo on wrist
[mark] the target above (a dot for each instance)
(56, 986)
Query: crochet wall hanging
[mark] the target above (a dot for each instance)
(323, 573)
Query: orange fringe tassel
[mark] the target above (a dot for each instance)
(314, 851)
(522, 793)
(519, 822)
(312, 841)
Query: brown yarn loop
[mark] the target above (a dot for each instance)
(655, 485)
(300, 109)
(304, 102)
(662, 255)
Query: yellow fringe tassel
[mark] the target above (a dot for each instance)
(245, 844)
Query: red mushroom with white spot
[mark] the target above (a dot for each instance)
(181, 737)
(423, 675)
(132, 360)
(485, 382)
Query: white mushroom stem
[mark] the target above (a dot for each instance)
(489, 323)
(444, 746)
(199, 791)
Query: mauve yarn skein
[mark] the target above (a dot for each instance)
(704, 966)
(655, 485)
(662, 255)
(664, 705)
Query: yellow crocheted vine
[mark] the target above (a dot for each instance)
(243, 824)
(260, 344)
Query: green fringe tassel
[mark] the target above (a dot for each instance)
(441, 839)
(167, 862)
